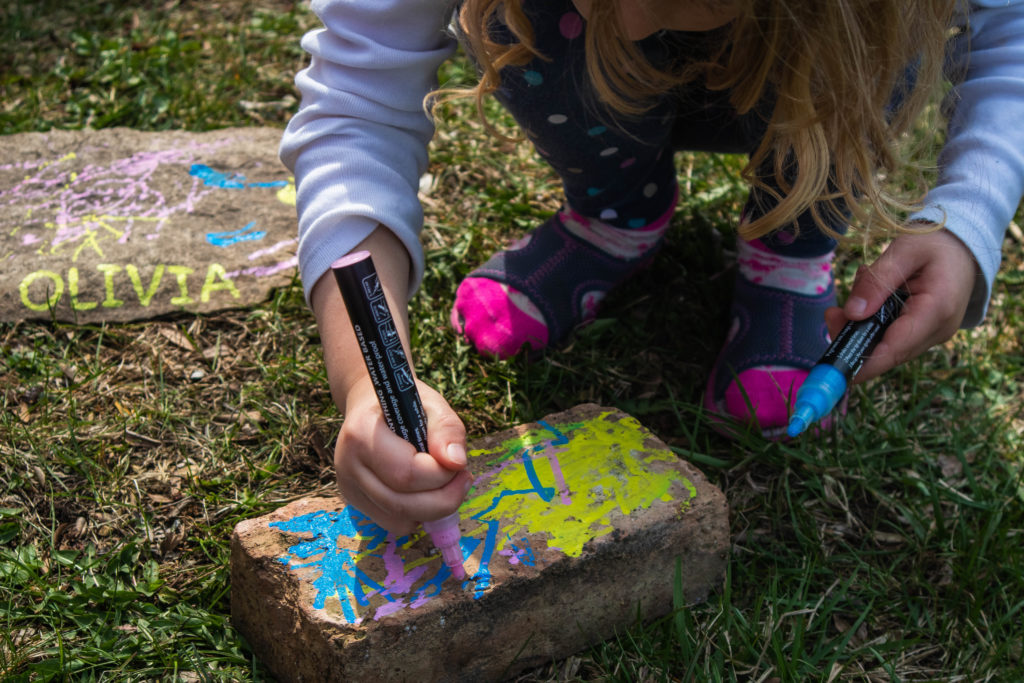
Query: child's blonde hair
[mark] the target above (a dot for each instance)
(834, 68)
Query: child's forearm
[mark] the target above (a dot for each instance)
(342, 357)
(981, 167)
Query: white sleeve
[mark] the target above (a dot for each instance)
(358, 144)
(981, 166)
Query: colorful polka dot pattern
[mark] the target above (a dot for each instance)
(570, 25)
(619, 169)
(612, 169)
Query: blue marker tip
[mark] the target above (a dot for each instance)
(796, 426)
(819, 394)
(826, 382)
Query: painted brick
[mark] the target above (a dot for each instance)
(573, 525)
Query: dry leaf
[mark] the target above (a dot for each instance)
(140, 439)
(59, 532)
(177, 338)
(212, 353)
(251, 416)
(888, 538)
(69, 372)
(171, 541)
(843, 626)
(951, 466)
(316, 441)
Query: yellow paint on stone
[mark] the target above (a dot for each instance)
(537, 484)
(286, 195)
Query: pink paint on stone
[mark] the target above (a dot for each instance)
(397, 580)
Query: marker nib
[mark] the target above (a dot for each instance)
(796, 426)
(453, 559)
(446, 536)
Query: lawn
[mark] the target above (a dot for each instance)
(888, 549)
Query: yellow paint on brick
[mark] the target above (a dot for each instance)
(537, 483)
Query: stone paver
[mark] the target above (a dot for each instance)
(574, 523)
(119, 224)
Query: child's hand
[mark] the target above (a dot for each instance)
(384, 477)
(939, 273)
(379, 472)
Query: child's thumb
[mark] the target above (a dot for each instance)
(446, 437)
(455, 456)
(872, 285)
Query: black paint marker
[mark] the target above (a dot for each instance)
(392, 377)
(827, 381)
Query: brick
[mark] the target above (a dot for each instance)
(573, 525)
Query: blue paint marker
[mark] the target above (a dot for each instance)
(827, 381)
(393, 378)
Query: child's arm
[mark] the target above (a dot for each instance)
(358, 146)
(378, 472)
(950, 273)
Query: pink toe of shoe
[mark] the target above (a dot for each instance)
(487, 316)
(769, 393)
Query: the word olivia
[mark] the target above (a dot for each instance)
(42, 290)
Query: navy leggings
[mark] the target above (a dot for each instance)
(621, 169)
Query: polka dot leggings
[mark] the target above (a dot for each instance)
(618, 174)
(620, 169)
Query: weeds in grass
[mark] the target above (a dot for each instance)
(180, 65)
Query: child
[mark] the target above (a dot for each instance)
(815, 91)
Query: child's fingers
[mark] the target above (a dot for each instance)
(393, 461)
(399, 526)
(363, 475)
(446, 435)
(419, 505)
(874, 283)
(930, 317)
(367, 446)
(937, 272)
(835, 318)
(385, 477)
(899, 345)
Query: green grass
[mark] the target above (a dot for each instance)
(887, 549)
(100, 63)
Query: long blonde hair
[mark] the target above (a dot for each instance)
(833, 67)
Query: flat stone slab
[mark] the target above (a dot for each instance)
(119, 224)
(574, 524)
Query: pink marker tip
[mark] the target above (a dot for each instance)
(446, 535)
(453, 559)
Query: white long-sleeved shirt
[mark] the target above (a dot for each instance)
(358, 144)
(981, 166)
